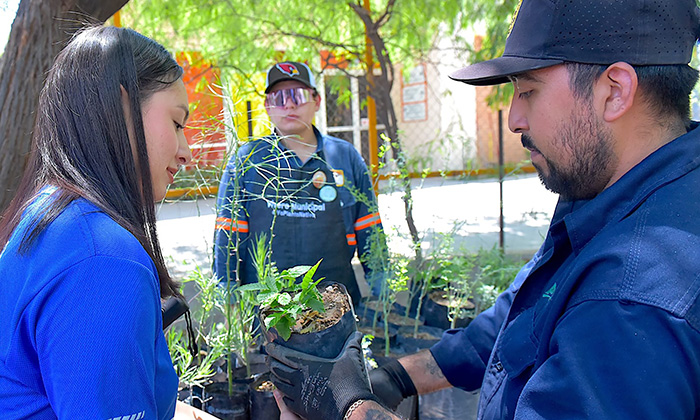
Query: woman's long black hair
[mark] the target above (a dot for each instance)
(80, 142)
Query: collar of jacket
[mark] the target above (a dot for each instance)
(583, 219)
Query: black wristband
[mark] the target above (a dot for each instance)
(396, 371)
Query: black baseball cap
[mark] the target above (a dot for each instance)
(550, 32)
(289, 70)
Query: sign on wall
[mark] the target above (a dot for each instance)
(414, 98)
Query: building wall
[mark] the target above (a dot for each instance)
(444, 139)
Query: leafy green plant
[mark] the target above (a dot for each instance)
(189, 371)
(497, 271)
(210, 335)
(473, 281)
(280, 298)
(242, 331)
(376, 254)
(460, 272)
(396, 282)
(434, 272)
(223, 329)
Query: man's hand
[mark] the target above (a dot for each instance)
(318, 388)
(391, 383)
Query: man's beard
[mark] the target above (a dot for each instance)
(588, 145)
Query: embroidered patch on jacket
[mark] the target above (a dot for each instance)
(339, 177)
(549, 293)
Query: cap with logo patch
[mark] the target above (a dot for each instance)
(289, 70)
(550, 32)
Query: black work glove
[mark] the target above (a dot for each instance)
(318, 388)
(391, 383)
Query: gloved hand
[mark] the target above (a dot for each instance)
(391, 383)
(318, 388)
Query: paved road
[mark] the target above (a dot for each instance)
(471, 209)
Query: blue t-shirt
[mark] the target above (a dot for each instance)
(81, 332)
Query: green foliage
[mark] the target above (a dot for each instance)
(370, 363)
(376, 256)
(241, 332)
(458, 271)
(397, 282)
(190, 371)
(497, 17)
(223, 326)
(280, 297)
(496, 273)
(433, 270)
(211, 336)
(471, 282)
(244, 36)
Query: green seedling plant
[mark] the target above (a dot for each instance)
(190, 372)
(280, 297)
(210, 335)
(430, 275)
(475, 280)
(396, 283)
(461, 278)
(497, 272)
(242, 331)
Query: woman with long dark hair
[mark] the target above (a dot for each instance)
(81, 271)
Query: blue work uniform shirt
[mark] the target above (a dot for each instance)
(604, 321)
(329, 217)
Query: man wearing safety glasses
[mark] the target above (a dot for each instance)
(311, 189)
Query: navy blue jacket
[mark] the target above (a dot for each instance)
(604, 321)
(330, 216)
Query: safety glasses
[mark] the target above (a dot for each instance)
(298, 95)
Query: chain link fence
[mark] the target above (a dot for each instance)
(436, 131)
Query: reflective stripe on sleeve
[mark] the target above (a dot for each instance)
(352, 239)
(367, 221)
(224, 223)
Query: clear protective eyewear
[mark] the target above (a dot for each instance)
(298, 95)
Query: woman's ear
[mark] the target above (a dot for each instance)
(617, 88)
(126, 106)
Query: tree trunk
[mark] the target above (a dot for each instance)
(386, 114)
(40, 30)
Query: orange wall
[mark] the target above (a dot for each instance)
(205, 128)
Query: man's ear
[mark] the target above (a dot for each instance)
(616, 89)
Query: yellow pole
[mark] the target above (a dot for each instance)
(117, 19)
(371, 109)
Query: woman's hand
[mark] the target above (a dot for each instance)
(187, 412)
(285, 413)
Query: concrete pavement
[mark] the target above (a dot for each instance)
(469, 208)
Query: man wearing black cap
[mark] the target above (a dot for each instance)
(311, 191)
(604, 321)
